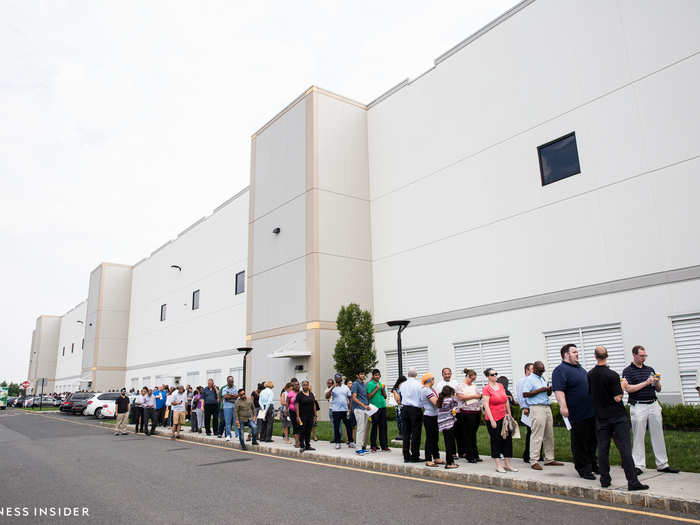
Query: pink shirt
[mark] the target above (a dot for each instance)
(291, 396)
(497, 402)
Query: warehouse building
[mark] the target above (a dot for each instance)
(536, 186)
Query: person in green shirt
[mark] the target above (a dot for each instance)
(376, 392)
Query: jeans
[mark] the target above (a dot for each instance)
(338, 417)
(643, 416)
(211, 417)
(500, 448)
(619, 430)
(379, 424)
(412, 419)
(583, 445)
(432, 435)
(399, 420)
(228, 419)
(241, 434)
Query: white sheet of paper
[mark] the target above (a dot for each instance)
(371, 410)
(525, 419)
(566, 422)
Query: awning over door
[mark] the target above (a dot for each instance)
(294, 348)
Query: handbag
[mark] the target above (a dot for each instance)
(261, 414)
(510, 428)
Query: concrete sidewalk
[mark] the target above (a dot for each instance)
(672, 492)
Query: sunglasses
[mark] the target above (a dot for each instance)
(493, 374)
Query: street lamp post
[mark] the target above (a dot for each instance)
(246, 350)
(402, 324)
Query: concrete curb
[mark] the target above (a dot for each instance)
(550, 489)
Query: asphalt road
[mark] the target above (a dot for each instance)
(54, 460)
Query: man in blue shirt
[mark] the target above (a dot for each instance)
(360, 404)
(229, 394)
(570, 385)
(537, 392)
(160, 397)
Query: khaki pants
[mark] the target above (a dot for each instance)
(362, 425)
(643, 415)
(121, 422)
(542, 432)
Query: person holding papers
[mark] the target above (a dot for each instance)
(570, 385)
(376, 391)
(536, 392)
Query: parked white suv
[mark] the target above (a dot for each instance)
(102, 405)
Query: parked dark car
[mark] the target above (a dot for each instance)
(11, 401)
(66, 405)
(79, 401)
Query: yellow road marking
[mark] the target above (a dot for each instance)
(410, 478)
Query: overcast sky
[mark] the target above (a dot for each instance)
(121, 123)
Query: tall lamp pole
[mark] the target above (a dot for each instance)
(245, 350)
(402, 324)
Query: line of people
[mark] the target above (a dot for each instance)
(590, 402)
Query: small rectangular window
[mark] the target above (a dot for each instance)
(195, 300)
(559, 159)
(72, 347)
(82, 345)
(162, 312)
(240, 282)
(64, 351)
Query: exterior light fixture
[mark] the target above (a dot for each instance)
(277, 230)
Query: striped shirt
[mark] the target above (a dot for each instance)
(635, 375)
(445, 418)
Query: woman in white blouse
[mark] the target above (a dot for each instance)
(468, 417)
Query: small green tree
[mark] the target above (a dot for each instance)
(354, 350)
(13, 389)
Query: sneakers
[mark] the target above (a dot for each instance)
(337, 446)
(386, 449)
(228, 438)
(373, 449)
(351, 445)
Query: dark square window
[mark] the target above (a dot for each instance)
(559, 159)
(195, 300)
(162, 312)
(240, 282)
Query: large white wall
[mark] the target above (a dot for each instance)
(210, 254)
(69, 364)
(459, 216)
(278, 272)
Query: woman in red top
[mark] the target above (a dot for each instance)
(496, 406)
